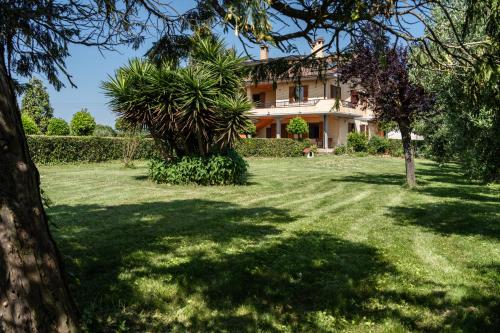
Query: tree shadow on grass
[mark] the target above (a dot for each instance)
(199, 265)
(249, 277)
(452, 217)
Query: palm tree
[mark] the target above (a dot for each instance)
(196, 110)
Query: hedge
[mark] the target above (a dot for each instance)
(271, 147)
(66, 149)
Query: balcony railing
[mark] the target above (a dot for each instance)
(347, 104)
(286, 104)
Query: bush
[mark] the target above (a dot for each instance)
(271, 147)
(342, 150)
(378, 145)
(212, 170)
(82, 123)
(104, 131)
(298, 126)
(357, 141)
(68, 149)
(29, 125)
(395, 148)
(57, 126)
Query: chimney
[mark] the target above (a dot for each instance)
(264, 52)
(318, 44)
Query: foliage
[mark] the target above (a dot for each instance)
(342, 150)
(212, 170)
(57, 126)
(29, 125)
(271, 147)
(358, 142)
(195, 110)
(297, 126)
(467, 89)
(82, 123)
(378, 145)
(36, 104)
(104, 130)
(251, 129)
(382, 70)
(70, 149)
(334, 228)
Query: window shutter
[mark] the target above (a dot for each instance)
(306, 93)
(291, 94)
(263, 99)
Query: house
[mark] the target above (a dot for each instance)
(332, 110)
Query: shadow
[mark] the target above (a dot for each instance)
(99, 242)
(212, 266)
(280, 284)
(452, 217)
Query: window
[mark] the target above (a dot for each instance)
(354, 97)
(351, 127)
(335, 92)
(298, 94)
(259, 99)
(314, 131)
(363, 129)
(269, 132)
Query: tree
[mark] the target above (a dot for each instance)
(82, 123)
(29, 125)
(36, 104)
(467, 89)
(35, 37)
(57, 126)
(193, 110)
(297, 126)
(382, 71)
(104, 130)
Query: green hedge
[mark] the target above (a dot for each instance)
(271, 147)
(67, 149)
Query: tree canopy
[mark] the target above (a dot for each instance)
(36, 104)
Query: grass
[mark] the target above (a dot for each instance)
(327, 244)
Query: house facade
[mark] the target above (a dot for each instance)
(332, 110)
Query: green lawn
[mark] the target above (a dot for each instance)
(327, 244)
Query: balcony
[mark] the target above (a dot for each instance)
(286, 104)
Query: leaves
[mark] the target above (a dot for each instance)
(197, 109)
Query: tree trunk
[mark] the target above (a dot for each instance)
(34, 296)
(405, 130)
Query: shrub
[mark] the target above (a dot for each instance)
(395, 148)
(357, 141)
(378, 145)
(212, 170)
(271, 147)
(57, 126)
(341, 150)
(82, 123)
(29, 125)
(68, 149)
(250, 129)
(298, 126)
(104, 130)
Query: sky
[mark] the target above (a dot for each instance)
(89, 68)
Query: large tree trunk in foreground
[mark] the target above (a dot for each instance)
(33, 292)
(408, 152)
